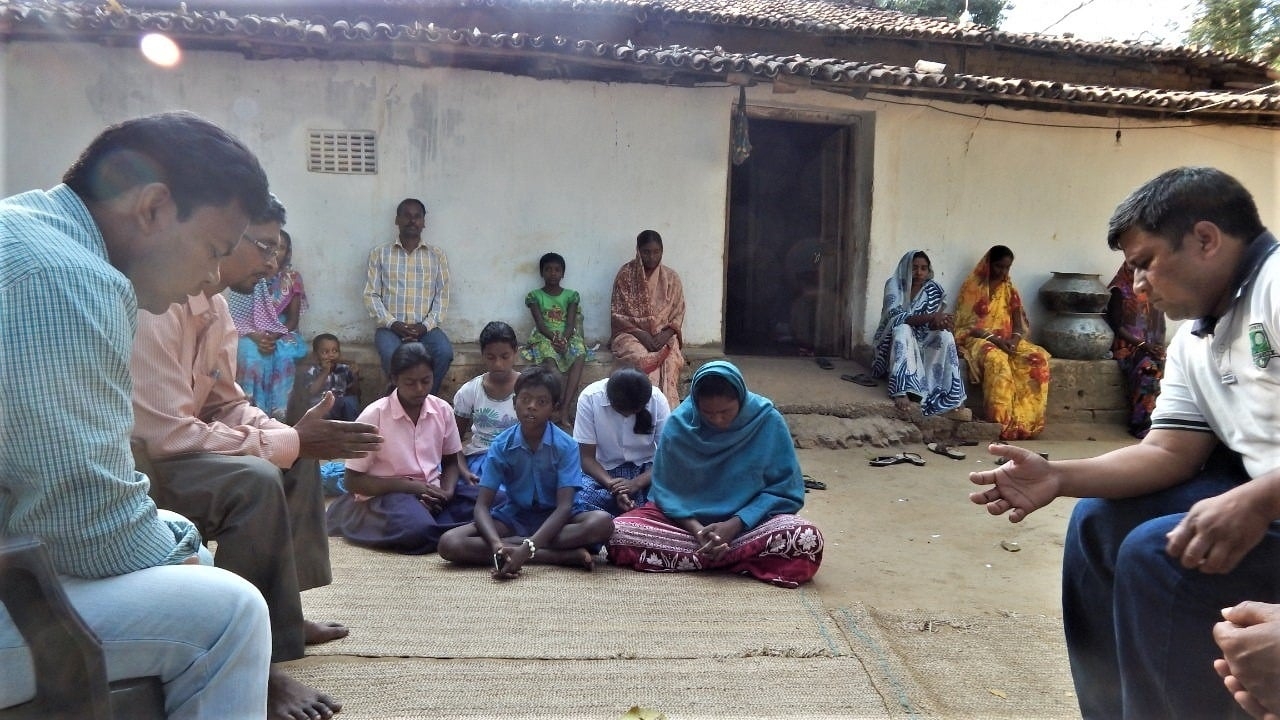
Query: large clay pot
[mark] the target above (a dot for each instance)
(1077, 336)
(1075, 293)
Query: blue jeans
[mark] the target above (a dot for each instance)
(1138, 624)
(202, 630)
(436, 342)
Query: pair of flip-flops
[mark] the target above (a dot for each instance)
(902, 457)
(860, 379)
(811, 484)
(824, 363)
(944, 450)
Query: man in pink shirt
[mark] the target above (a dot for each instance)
(247, 481)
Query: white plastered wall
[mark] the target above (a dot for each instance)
(509, 167)
(512, 167)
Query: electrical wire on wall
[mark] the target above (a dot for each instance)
(1009, 121)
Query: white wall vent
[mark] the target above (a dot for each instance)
(347, 152)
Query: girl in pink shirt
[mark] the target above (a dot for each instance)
(407, 494)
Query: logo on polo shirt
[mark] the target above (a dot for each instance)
(1260, 345)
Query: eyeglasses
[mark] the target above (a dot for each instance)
(269, 251)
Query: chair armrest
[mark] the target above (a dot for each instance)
(70, 672)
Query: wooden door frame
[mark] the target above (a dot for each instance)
(860, 162)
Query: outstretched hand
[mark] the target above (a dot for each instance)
(1249, 637)
(327, 439)
(1024, 484)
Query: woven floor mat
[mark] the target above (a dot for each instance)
(421, 606)
(989, 666)
(402, 688)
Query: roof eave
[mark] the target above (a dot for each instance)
(562, 58)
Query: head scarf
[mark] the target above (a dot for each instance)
(255, 311)
(631, 305)
(992, 307)
(1137, 315)
(898, 303)
(283, 286)
(748, 469)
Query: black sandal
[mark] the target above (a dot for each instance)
(859, 379)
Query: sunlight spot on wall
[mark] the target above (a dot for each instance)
(159, 49)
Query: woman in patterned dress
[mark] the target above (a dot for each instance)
(915, 349)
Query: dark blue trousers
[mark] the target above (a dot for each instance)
(1139, 625)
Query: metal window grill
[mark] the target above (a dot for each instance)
(347, 152)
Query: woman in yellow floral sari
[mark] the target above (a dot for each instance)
(991, 330)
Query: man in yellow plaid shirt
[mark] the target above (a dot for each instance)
(407, 292)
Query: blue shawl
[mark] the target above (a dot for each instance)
(749, 469)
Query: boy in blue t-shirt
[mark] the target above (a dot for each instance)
(539, 465)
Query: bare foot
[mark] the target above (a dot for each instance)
(577, 557)
(902, 404)
(288, 699)
(317, 633)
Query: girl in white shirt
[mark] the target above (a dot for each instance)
(484, 404)
(617, 428)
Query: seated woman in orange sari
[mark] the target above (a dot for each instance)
(646, 313)
(991, 330)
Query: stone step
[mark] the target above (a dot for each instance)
(825, 412)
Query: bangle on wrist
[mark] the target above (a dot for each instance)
(533, 549)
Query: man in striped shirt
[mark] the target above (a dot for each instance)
(407, 292)
(143, 218)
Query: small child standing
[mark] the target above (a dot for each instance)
(556, 341)
(405, 495)
(484, 404)
(325, 369)
(538, 464)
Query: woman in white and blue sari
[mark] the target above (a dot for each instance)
(915, 349)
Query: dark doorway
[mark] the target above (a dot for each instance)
(788, 230)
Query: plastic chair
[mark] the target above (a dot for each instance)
(70, 671)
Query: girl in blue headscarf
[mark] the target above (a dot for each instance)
(725, 489)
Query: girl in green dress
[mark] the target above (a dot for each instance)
(557, 341)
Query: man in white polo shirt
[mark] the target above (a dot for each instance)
(1179, 526)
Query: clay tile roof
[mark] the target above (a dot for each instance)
(845, 18)
(278, 36)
